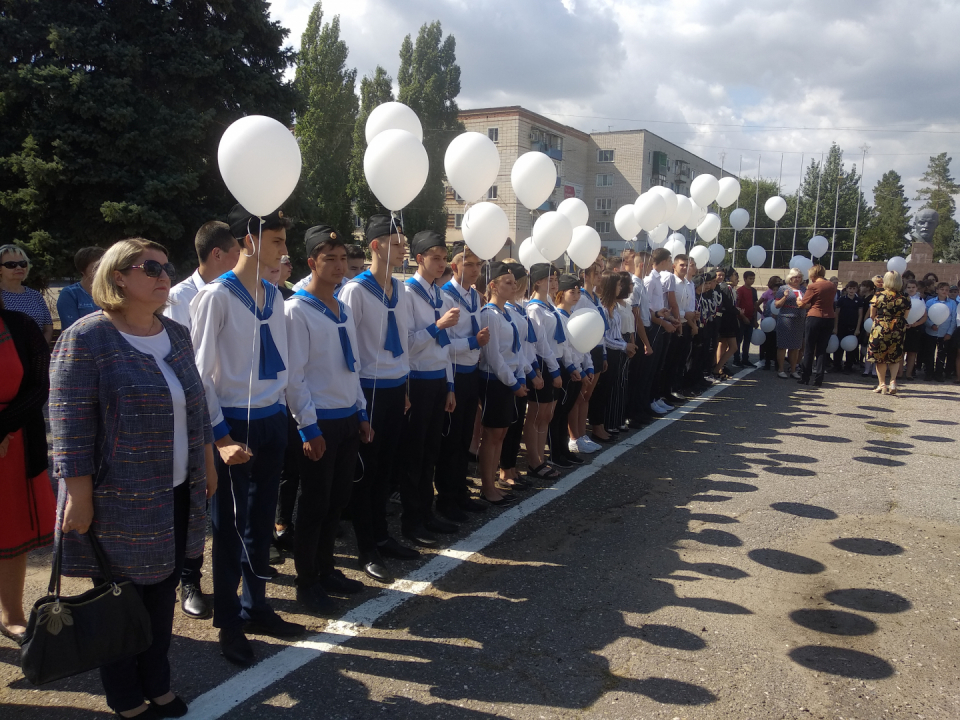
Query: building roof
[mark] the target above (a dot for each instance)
(516, 110)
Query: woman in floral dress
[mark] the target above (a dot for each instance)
(889, 309)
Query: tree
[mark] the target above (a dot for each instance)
(938, 195)
(373, 91)
(429, 80)
(889, 220)
(764, 236)
(112, 114)
(325, 123)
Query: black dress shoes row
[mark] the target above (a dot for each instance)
(193, 603)
(373, 565)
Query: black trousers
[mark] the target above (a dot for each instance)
(639, 379)
(934, 356)
(661, 376)
(566, 396)
(290, 477)
(453, 460)
(816, 333)
(616, 370)
(745, 339)
(421, 445)
(192, 571)
(510, 449)
(325, 488)
(368, 503)
(768, 351)
(128, 682)
(600, 400)
(676, 365)
(852, 356)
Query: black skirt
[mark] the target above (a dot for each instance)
(498, 409)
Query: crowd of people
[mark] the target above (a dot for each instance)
(284, 410)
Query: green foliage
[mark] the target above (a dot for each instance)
(112, 114)
(938, 195)
(325, 123)
(429, 80)
(373, 91)
(766, 231)
(889, 221)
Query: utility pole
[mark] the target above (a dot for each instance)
(856, 225)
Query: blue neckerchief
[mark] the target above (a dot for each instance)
(516, 333)
(563, 312)
(596, 301)
(531, 334)
(474, 301)
(559, 336)
(369, 282)
(317, 304)
(271, 362)
(435, 302)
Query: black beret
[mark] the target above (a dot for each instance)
(697, 280)
(568, 282)
(381, 225)
(541, 270)
(709, 277)
(242, 222)
(497, 269)
(320, 234)
(518, 270)
(425, 240)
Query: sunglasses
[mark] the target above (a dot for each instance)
(153, 268)
(14, 264)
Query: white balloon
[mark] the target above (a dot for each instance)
(395, 165)
(260, 163)
(868, 324)
(682, 213)
(392, 116)
(472, 163)
(938, 313)
(584, 248)
(775, 207)
(717, 253)
(669, 200)
(833, 344)
(575, 210)
(801, 263)
(529, 255)
(739, 219)
(768, 324)
(849, 343)
(704, 189)
(676, 244)
(758, 337)
(700, 254)
(658, 236)
(774, 310)
(728, 191)
(818, 246)
(552, 233)
(534, 178)
(697, 214)
(649, 210)
(756, 255)
(917, 309)
(626, 223)
(485, 229)
(897, 264)
(709, 228)
(585, 329)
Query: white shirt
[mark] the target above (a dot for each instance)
(369, 313)
(545, 326)
(627, 323)
(690, 295)
(497, 357)
(302, 282)
(181, 295)
(428, 358)
(464, 351)
(159, 347)
(639, 297)
(613, 337)
(226, 339)
(654, 289)
(528, 350)
(320, 383)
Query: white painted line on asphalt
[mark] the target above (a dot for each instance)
(217, 702)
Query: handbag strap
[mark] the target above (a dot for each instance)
(55, 570)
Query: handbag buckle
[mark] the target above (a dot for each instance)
(116, 589)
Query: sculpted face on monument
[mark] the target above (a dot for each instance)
(925, 224)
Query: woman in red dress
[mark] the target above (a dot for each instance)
(27, 503)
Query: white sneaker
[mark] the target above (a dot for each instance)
(657, 409)
(594, 446)
(782, 374)
(573, 446)
(795, 375)
(662, 407)
(586, 446)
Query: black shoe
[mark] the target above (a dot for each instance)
(562, 462)
(316, 600)
(419, 535)
(276, 557)
(452, 512)
(801, 381)
(374, 566)
(392, 548)
(283, 540)
(575, 459)
(339, 584)
(235, 647)
(176, 708)
(271, 573)
(818, 383)
(505, 500)
(272, 625)
(471, 506)
(435, 524)
(747, 363)
(193, 603)
(675, 399)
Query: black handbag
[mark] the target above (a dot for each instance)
(70, 635)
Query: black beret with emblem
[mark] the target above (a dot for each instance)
(426, 240)
(497, 269)
(381, 225)
(518, 270)
(541, 270)
(568, 282)
(242, 222)
(321, 235)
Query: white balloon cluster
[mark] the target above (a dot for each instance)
(395, 163)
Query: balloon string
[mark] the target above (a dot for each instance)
(254, 356)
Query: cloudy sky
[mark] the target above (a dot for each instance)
(763, 80)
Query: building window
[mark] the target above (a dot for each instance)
(492, 193)
(604, 180)
(494, 134)
(604, 155)
(603, 227)
(357, 222)
(458, 220)
(604, 203)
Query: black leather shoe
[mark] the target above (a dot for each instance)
(339, 584)
(193, 603)
(283, 540)
(471, 506)
(419, 535)
(675, 399)
(561, 462)
(272, 625)
(316, 600)
(235, 647)
(452, 512)
(435, 524)
(276, 557)
(372, 564)
(394, 549)
(505, 500)
(176, 708)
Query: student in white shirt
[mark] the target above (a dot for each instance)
(666, 326)
(235, 313)
(598, 356)
(377, 303)
(218, 252)
(573, 369)
(330, 409)
(679, 354)
(641, 368)
(466, 340)
(431, 389)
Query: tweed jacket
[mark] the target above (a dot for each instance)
(111, 416)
